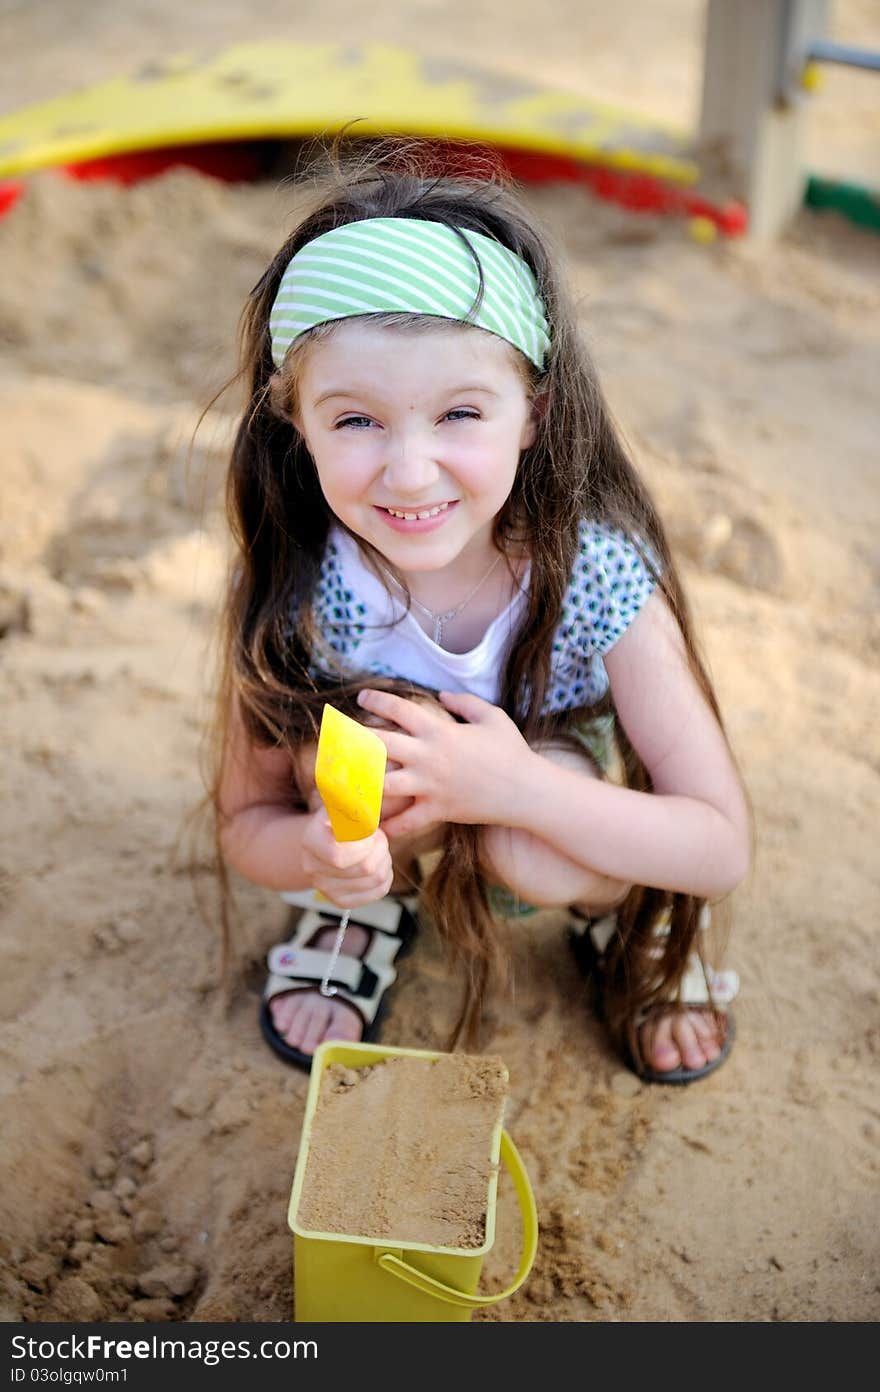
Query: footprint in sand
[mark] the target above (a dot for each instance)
(112, 1260)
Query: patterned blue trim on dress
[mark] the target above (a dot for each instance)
(341, 621)
(340, 615)
(609, 584)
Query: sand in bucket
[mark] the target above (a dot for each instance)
(394, 1197)
(401, 1150)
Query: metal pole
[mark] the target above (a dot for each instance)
(823, 52)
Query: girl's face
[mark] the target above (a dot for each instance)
(416, 436)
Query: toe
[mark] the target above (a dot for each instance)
(659, 1050)
(347, 1024)
(307, 1004)
(283, 1010)
(329, 1019)
(696, 1035)
(304, 1019)
(316, 1027)
(706, 1029)
(689, 1046)
(688, 1038)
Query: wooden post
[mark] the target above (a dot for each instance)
(751, 120)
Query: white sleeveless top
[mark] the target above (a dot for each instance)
(363, 628)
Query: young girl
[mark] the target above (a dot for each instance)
(440, 533)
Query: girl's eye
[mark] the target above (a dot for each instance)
(364, 422)
(357, 421)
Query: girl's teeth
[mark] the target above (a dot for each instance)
(420, 516)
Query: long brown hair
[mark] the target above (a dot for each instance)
(577, 468)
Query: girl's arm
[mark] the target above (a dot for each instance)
(260, 835)
(275, 846)
(690, 834)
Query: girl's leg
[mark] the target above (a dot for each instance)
(537, 873)
(540, 875)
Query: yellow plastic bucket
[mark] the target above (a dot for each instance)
(340, 1278)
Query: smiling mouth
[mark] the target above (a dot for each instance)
(417, 516)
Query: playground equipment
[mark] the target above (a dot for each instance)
(224, 113)
(821, 51)
(221, 113)
(261, 91)
(856, 202)
(762, 59)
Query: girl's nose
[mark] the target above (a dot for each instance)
(410, 468)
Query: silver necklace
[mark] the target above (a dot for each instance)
(440, 619)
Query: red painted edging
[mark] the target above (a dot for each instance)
(234, 161)
(10, 192)
(231, 161)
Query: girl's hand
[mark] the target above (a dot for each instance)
(349, 873)
(474, 773)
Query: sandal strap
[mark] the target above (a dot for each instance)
(601, 931)
(699, 985)
(360, 981)
(310, 963)
(384, 914)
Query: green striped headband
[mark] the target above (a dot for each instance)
(406, 265)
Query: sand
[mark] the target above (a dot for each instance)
(149, 1136)
(401, 1150)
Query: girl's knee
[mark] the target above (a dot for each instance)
(533, 870)
(568, 755)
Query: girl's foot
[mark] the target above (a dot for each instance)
(304, 1019)
(295, 1017)
(680, 1039)
(678, 1043)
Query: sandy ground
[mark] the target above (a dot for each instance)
(149, 1137)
